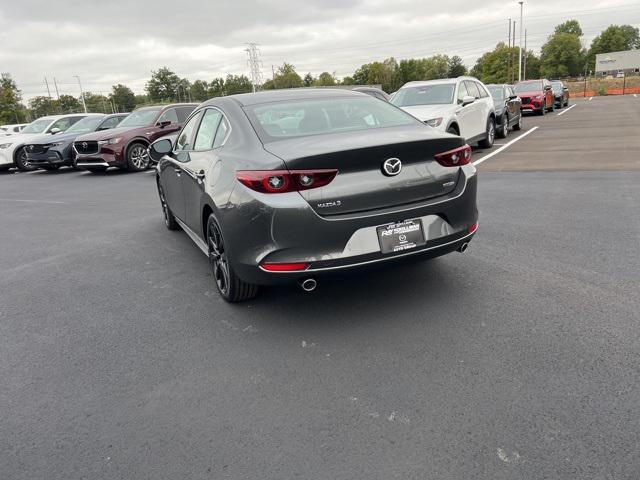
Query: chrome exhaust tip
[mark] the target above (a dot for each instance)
(463, 247)
(308, 285)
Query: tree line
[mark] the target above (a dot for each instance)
(561, 56)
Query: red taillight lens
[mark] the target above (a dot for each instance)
(473, 228)
(281, 181)
(455, 158)
(284, 267)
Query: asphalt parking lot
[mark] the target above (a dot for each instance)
(517, 359)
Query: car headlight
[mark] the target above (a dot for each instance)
(5, 145)
(434, 122)
(110, 141)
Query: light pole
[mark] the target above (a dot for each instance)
(81, 94)
(520, 46)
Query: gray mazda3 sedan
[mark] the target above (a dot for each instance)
(292, 185)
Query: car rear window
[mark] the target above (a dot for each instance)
(287, 119)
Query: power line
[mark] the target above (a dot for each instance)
(255, 64)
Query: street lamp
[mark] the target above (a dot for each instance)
(81, 94)
(520, 47)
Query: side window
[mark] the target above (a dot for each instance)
(207, 130)
(109, 123)
(184, 140)
(170, 115)
(221, 134)
(184, 112)
(64, 123)
(472, 89)
(483, 92)
(462, 92)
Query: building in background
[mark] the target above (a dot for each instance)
(618, 63)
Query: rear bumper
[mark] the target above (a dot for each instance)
(531, 107)
(273, 234)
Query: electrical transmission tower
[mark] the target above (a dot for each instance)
(255, 64)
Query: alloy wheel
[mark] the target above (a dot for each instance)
(491, 134)
(139, 157)
(218, 257)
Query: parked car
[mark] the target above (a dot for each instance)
(507, 106)
(461, 106)
(536, 96)
(560, 94)
(52, 153)
(12, 152)
(126, 146)
(374, 92)
(11, 129)
(351, 182)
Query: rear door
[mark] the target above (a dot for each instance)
(476, 124)
(513, 105)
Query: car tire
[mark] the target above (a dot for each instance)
(21, 161)
(543, 110)
(490, 134)
(552, 107)
(169, 219)
(518, 126)
(566, 104)
(96, 170)
(137, 157)
(503, 131)
(230, 286)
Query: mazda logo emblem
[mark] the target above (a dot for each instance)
(85, 144)
(391, 167)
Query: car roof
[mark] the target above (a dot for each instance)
(245, 99)
(419, 83)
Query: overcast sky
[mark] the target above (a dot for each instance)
(117, 41)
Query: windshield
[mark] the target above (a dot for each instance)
(557, 86)
(325, 116)
(438, 94)
(37, 126)
(86, 125)
(141, 118)
(528, 86)
(496, 91)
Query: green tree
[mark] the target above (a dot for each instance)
(532, 65)
(411, 69)
(68, 104)
(361, 75)
(570, 26)
(456, 67)
(492, 67)
(348, 81)
(163, 85)
(325, 79)
(97, 103)
(615, 38)
(11, 110)
(436, 67)
(142, 100)
(199, 91)
(123, 98)
(384, 73)
(308, 80)
(287, 77)
(562, 55)
(41, 106)
(216, 87)
(237, 84)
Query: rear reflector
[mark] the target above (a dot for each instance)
(456, 157)
(281, 181)
(284, 267)
(473, 228)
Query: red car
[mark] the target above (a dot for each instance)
(536, 96)
(126, 146)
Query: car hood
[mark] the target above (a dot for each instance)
(44, 139)
(114, 132)
(22, 138)
(531, 93)
(427, 112)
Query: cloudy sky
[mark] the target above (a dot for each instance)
(117, 41)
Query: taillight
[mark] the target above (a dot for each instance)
(284, 267)
(456, 157)
(473, 228)
(281, 181)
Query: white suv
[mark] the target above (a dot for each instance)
(12, 146)
(461, 106)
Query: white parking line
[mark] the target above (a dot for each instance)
(590, 98)
(506, 145)
(565, 111)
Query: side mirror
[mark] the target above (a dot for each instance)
(159, 148)
(164, 123)
(513, 97)
(468, 99)
(547, 88)
(54, 130)
(565, 89)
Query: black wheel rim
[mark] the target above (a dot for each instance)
(165, 208)
(218, 258)
(22, 158)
